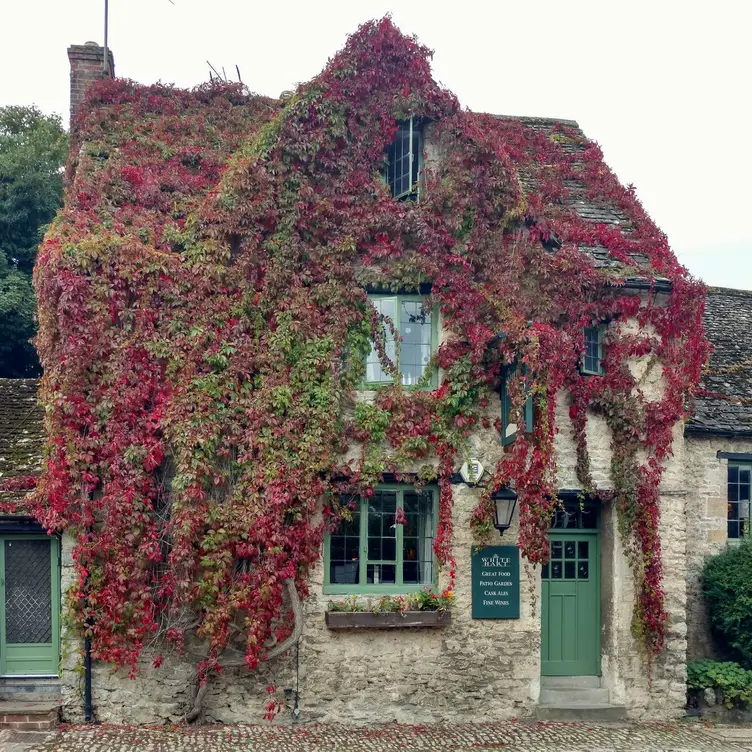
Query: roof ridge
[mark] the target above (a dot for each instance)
(538, 120)
(713, 290)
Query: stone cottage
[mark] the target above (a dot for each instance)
(718, 451)
(447, 412)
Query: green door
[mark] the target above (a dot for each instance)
(570, 605)
(29, 605)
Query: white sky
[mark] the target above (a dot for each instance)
(665, 86)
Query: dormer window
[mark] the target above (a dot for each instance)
(404, 157)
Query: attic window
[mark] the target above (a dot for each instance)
(404, 158)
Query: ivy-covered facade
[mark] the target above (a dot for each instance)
(273, 332)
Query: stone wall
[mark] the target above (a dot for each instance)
(706, 475)
(471, 670)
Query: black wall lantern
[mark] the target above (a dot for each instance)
(505, 500)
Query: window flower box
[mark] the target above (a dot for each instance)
(392, 620)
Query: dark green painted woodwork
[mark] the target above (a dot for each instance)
(570, 605)
(29, 605)
(496, 582)
(508, 432)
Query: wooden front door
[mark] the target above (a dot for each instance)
(570, 600)
(29, 605)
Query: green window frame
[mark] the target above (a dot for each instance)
(507, 434)
(739, 499)
(408, 367)
(405, 161)
(592, 357)
(378, 549)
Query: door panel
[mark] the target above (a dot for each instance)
(570, 606)
(29, 605)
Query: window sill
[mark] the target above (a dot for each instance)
(398, 620)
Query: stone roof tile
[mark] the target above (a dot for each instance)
(728, 324)
(21, 428)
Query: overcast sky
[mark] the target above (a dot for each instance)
(665, 86)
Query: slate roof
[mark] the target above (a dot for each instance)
(21, 428)
(728, 324)
(592, 210)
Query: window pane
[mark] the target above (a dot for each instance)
(374, 371)
(417, 539)
(415, 332)
(582, 549)
(592, 357)
(556, 547)
(398, 155)
(569, 550)
(589, 518)
(582, 570)
(569, 570)
(400, 177)
(381, 574)
(344, 550)
(733, 474)
(382, 532)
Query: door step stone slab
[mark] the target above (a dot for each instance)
(575, 695)
(581, 712)
(29, 716)
(567, 682)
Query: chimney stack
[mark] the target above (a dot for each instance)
(86, 66)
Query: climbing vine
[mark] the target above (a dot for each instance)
(204, 325)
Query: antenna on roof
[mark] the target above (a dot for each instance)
(221, 76)
(106, 60)
(216, 72)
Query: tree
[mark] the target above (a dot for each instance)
(33, 148)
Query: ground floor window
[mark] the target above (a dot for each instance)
(738, 500)
(386, 545)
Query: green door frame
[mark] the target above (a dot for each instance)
(42, 659)
(593, 662)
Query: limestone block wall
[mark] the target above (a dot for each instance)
(470, 670)
(706, 475)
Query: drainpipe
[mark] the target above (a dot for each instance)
(88, 710)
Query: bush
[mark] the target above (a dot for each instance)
(734, 681)
(727, 586)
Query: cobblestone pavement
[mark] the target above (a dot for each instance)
(510, 737)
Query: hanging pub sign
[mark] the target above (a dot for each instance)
(496, 582)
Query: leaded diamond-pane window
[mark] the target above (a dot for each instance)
(404, 160)
(739, 500)
(28, 593)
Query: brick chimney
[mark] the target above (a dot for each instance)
(86, 66)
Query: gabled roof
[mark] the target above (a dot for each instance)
(724, 402)
(21, 428)
(597, 209)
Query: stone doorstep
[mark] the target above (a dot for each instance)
(593, 713)
(29, 716)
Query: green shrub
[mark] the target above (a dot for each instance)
(727, 585)
(734, 681)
